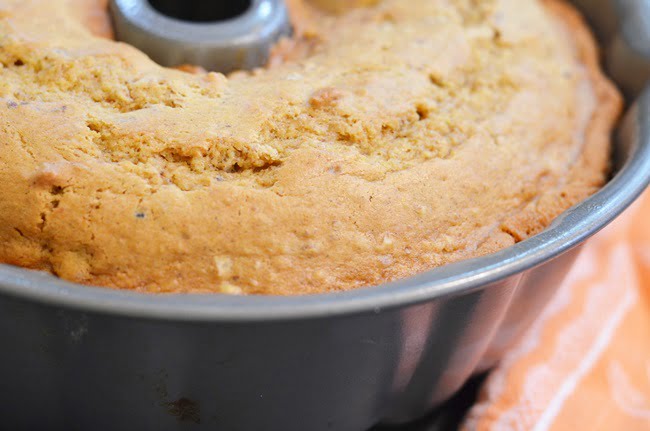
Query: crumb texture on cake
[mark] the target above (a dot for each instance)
(381, 141)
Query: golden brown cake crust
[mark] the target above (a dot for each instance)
(381, 142)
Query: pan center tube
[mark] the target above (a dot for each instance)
(202, 11)
(220, 36)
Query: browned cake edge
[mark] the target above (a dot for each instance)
(590, 171)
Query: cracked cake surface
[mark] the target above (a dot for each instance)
(381, 141)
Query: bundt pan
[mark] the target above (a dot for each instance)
(81, 358)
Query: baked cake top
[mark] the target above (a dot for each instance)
(380, 142)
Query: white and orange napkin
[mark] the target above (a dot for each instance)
(585, 364)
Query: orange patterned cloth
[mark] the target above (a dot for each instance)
(585, 364)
